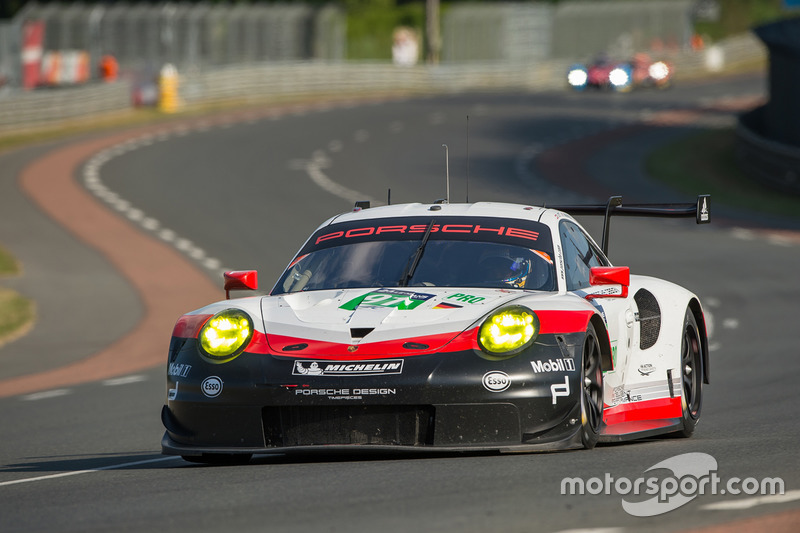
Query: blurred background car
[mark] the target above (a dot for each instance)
(604, 73)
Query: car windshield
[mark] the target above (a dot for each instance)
(494, 253)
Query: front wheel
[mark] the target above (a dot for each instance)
(592, 390)
(691, 374)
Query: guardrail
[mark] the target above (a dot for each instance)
(774, 164)
(21, 110)
(354, 78)
(24, 110)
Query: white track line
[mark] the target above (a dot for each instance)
(747, 503)
(77, 472)
(55, 393)
(93, 182)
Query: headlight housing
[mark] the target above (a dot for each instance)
(508, 331)
(225, 335)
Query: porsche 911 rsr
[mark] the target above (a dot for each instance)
(443, 326)
(621, 76)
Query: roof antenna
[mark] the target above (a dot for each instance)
(467, 158)
(389, 197)
(447, 170)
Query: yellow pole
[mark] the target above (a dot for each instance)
(168, 101)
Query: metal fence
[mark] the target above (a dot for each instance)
(299, 79)
(9, 50)
(145, 36)
(621, 28)
(21, 111)
(247, 51)
(277, 79)
(497, 32)
(520, 32)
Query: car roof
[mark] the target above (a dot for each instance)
(478, 209)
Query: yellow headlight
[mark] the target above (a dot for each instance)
(508, 331)
(225, 335)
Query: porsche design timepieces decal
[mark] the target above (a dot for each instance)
(361, 368)
(345, 394)
(388, 298)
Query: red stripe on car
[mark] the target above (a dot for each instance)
(188, 326)
(563, 321)
(657, 409)
(550, 322)
(447, 342)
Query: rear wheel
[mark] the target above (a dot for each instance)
(691, 374)
(592, 390)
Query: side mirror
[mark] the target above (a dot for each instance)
(617, 280)
(240, 280)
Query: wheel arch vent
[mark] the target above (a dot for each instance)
(649, 318)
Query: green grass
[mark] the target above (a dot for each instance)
(16, 314)
(705, 161)
(8, 265)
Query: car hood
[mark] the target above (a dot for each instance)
(373, 318)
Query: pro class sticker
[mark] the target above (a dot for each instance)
(211, 386)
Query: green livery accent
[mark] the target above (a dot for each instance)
(401, 300)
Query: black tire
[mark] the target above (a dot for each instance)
(591, 390)
(691, 374)
(219, 458)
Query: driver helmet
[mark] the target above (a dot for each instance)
(504, 269)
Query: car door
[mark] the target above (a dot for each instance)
(580, 255)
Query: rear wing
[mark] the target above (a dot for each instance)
(700, 211)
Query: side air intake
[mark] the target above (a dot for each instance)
(649, 318)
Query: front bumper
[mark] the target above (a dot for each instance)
(446, 401)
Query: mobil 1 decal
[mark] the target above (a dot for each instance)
(392, 298)
(554, 365)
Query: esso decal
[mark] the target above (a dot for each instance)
(496, 381)
(211, 386)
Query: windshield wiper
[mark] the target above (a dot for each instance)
(413, 261)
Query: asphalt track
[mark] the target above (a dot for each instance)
(121, 233)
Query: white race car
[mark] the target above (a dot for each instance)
(441, 326)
